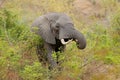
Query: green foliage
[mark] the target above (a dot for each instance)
(16, 40)
(11, 27)
(115, 23)
(18, 59)
(99, 36)
(112, 59)
(34, 72)
(114, 32)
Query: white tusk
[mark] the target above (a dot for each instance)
(63, 42)
(76, 40)
(69, 40)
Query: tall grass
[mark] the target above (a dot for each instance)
(18, 59)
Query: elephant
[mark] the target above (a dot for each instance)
(57, 30)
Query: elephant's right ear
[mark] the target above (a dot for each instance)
(41, 26)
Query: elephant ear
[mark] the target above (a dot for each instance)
(41, 26)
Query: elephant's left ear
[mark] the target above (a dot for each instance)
(43, 29)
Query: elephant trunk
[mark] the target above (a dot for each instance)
(79, 39)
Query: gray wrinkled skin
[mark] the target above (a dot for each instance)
(53, 27)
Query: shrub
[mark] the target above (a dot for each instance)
(34, 72)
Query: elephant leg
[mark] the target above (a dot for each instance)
(49, 50)
(61, 49)
(59, 62)
(41, 54)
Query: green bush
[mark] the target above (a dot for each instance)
(11, 27)
(17, 44)
(34, 72)
(114, 33)
(18, 59)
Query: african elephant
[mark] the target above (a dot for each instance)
(57, 30)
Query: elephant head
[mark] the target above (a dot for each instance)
(58, 26)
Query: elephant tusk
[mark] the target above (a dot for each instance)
(63, 41)
(76, 40)
(70, 40)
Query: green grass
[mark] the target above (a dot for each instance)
(18, 59)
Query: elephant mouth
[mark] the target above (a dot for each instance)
(66, 41)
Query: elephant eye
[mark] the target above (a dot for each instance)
(57, 25)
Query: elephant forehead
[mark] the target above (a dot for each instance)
(64, 20)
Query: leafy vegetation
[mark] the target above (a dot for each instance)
(18, 59)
